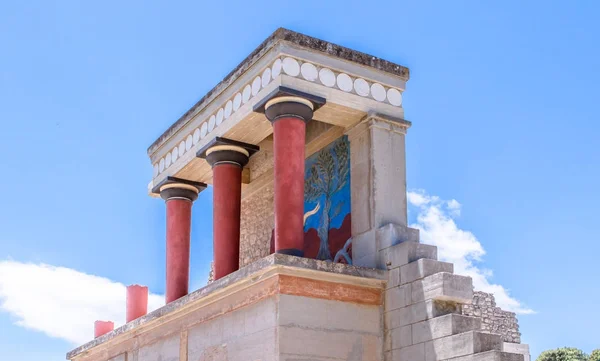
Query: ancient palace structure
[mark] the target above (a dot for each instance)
(303, 144)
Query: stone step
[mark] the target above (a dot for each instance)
(489, 356)
(392, 234)
(404, 253)
(422, 268)
(418, 312)
(443, 286)
(443, 326)
(462, 344)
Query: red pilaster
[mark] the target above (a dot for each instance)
(179, 221)
(288, 146)
(137, 302)
(227, 193)
(102, 328)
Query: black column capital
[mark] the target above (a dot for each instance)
(287, 102)
(227, 151)
(178, 188)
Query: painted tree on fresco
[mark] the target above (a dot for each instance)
(327, 176)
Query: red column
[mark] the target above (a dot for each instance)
(102, 328)
(227, 194)
(288, 147)
(289, 115)
(179, 221)
(227, 158)
(137, 302)
(178, 197)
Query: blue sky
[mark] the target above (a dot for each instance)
(502, 98)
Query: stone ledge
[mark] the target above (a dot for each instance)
(489, 356)
(462, 344)
(443, 286)
(330, 274)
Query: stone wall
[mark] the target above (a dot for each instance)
(493, 318)
(257, 222)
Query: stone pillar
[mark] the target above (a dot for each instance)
(227, 159)
(136, 302)
(289, 115)
(102, 328)
(378, 181)
(178, 195)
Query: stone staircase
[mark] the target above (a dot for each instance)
(422, 310)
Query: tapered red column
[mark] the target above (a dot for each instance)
(178, 198)
(227, 159)
(136, 302)
(289, 116)
(102, 328)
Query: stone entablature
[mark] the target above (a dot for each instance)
(493, 318)
(352, 82)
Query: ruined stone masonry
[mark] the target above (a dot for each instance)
(493, 319)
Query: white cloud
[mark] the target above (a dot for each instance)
(62, 302)
(436, 221)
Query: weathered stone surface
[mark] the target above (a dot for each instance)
(443, 326)
(419, 312)
(494, 319)
(121, 357)
(461, 345)
(392, 234)
(402, 337)
(491, 356)
(517, 348)
(410, 353)
(166, 349)
(404, 253)
(398, 297)
(326, 314)
(311, 344)
(422, 268)
(443, 286)
(393, 278)
(256, 225)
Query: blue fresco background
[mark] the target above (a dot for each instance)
(342, 195)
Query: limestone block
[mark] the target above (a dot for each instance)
(393, 278)
(398, 297)
(392, 234)
(326, 314)
(491, 356)
(418, 312)
(401, 337)
(461, 344)
(260, 316)
(422, 268)
(364, 244)
(404, 253)
(121, 357)
(410, 353)
(166, 349)
(518, 348)
(443, 286)
(316, 344)
(368, 260)
(443, 326)
(203, 336)
(256, 346)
